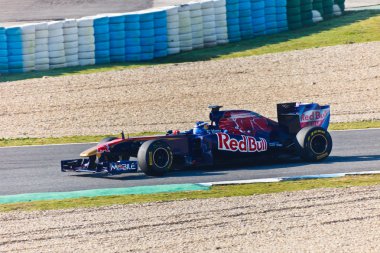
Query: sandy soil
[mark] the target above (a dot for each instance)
(174, 96)
(331, 220)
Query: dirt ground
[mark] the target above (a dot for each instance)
(330, 220)
(175, 96)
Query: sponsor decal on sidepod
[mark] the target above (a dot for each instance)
(246, 144)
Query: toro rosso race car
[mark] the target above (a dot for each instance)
(232, 137)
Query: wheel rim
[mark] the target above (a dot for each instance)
(161, 158)
(319, 144)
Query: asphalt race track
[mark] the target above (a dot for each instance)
(37, 169)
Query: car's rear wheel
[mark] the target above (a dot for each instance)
(313, 144)
(155, 158)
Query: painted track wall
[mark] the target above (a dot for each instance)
(153, 33)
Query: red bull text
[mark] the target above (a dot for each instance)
(314, 117)
(246, 144)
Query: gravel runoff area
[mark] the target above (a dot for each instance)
(174, 96)
(328, 220)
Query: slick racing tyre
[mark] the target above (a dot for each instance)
(313, 143)
(155, 158)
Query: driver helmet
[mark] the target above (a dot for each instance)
(200, 127)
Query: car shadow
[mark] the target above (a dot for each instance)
(141, 176)
(292, 163)
(359, 158)
(224, 169)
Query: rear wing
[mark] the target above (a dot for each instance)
(295, 116)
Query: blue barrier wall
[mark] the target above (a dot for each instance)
(153, 33)
(281, 16)
(102, 40)
(132, 38)
(147, 38)
(258, 17)
(15, 52)
(3, 52)
(160, 34)
(117, 38)
(233, 20)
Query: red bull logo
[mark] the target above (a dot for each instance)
(314, 115)
(103, 148)
(246, 144)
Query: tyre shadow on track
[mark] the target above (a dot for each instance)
(223, 170)
(329, 161)
(227, 49)
(345, 159)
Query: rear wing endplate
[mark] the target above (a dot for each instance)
(295, 116)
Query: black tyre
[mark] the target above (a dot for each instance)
(314, 144)
(155, 158)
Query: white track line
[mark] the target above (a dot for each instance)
(280, 179)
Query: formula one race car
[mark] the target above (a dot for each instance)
(232, 136)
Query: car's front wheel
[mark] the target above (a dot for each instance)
(155, 158)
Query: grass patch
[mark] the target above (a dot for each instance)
(353, 27)
(355, 125)
(4, 142)
(215, 192)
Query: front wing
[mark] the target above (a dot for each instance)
(83, 165)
